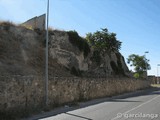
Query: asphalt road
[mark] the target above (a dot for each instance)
(139, 106)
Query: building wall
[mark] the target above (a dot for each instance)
(36, 22)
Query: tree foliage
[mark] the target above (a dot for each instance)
(104, 40)
(140, 63)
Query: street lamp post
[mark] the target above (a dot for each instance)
(46, 59)
(146, 63)
(157, 74)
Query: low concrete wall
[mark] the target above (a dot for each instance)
(19, 93)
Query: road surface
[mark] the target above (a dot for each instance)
(144, 106)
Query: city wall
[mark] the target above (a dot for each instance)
(21, 93)
(36, 22)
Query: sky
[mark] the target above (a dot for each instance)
(136, 22)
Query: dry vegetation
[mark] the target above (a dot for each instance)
(7, 23)
(22, 52)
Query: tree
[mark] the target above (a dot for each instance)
(104, 40)
(140, 64)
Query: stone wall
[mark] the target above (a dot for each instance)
(154, 79)
(21, 93)
(36, 22)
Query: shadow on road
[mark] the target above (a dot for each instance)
(121, 100)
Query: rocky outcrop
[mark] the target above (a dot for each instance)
(23, 52)
(66, 53)
(71, 57)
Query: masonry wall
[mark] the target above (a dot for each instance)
(36, 22)
(154, 79)
(21, 93)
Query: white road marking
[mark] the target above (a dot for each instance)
(136, 107)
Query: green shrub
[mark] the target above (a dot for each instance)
(136, 75)
(79, 42)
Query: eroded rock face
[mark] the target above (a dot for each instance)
(67, 54)
(70, 56)
(23, 52)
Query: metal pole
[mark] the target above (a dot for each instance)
(146, 64)
(158, 73)
(46, 60)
